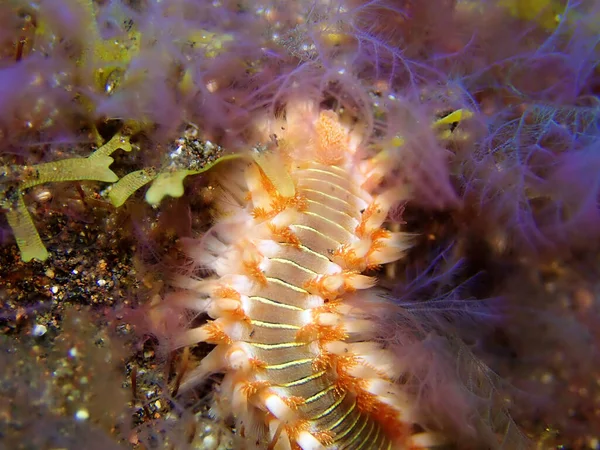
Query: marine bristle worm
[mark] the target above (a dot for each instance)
(295, 236)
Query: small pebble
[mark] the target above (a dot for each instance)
(82, 414)
(39, 330)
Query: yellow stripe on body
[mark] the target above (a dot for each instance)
(319, 394)
(286, 365)
(357, 435)
(296, 265)
(344, 417)
(307, 228)
(376, 435)
(329, 197)
(312, 214)
(288, 285)
(278, 345)
(330, 409)
(279, 326)
(329, 183)
(331, 209)
(304, 380)
(328, 173)
(268, 301)
(340, 170)
(351, 427)
(305, 249)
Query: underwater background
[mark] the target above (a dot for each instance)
(112, 112)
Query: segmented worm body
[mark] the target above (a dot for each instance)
(296, 235)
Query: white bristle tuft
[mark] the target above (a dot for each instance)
(278, 408)
(307, 441)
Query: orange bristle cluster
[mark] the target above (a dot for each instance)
(294, 348)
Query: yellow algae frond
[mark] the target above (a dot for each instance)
(94, 167)
(444, 125)
(546, 13)
(454, 117)
(98, 59)
(104, 56)
(28, 240)
(440, 125)
(212, 43)
(119, 192)
(166, 184)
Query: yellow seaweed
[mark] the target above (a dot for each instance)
(94, 167)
